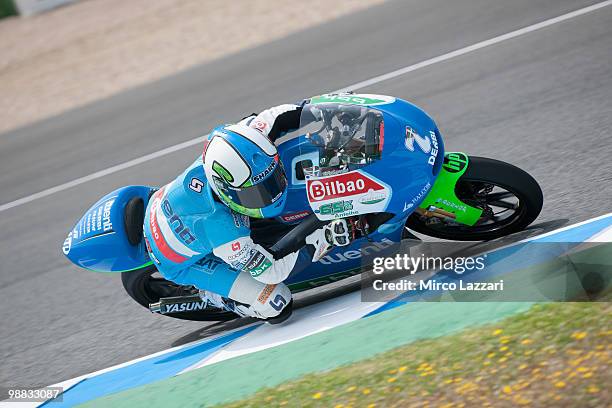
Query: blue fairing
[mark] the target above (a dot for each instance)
(409, 174)
(99, 241)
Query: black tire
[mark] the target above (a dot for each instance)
(483, 171)
(145, 288)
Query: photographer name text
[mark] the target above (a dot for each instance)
(433, 285)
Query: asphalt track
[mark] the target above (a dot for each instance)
(542, 101)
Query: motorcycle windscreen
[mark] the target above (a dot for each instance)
(337, 144)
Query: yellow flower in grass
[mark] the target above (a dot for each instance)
(578, 335)
(491, 355)
(526, 342)
(372, 406)
(560, 384)
(391, 380)
(582, 369)
(497, 332)
(507, 389)
(339, 406)
(317, 395)
(519, 400)
(402, 369)
(501, 360)
(576, 362)
(394, 371)
(466, 388)
(522, 366)
(587, 375)
(519, 386)
(503, 348)
(366, 391)
(351, 388)
(504, 339)
(593, 389)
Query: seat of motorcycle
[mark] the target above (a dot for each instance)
(133, 219)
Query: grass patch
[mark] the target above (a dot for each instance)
(555, 354)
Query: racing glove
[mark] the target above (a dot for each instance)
(275, 121)
(336, 233)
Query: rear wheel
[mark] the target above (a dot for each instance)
(147, 286)
(510, 199)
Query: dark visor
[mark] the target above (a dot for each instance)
(260, 195)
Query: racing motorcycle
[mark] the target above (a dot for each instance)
(375, 160)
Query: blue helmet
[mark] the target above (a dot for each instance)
(108, 238)
(243, 168)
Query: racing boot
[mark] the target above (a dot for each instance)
(273, 303)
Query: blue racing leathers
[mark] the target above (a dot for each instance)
(194, 239)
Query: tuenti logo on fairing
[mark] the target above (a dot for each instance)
(107, 225)
(357, 253)
(67, 244)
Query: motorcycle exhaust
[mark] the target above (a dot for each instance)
(436, 212)
(178, 304)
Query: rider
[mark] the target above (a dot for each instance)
(197, 228)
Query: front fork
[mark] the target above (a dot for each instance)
(441, 201)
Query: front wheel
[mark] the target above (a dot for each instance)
(510, 199)
(147, 286)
